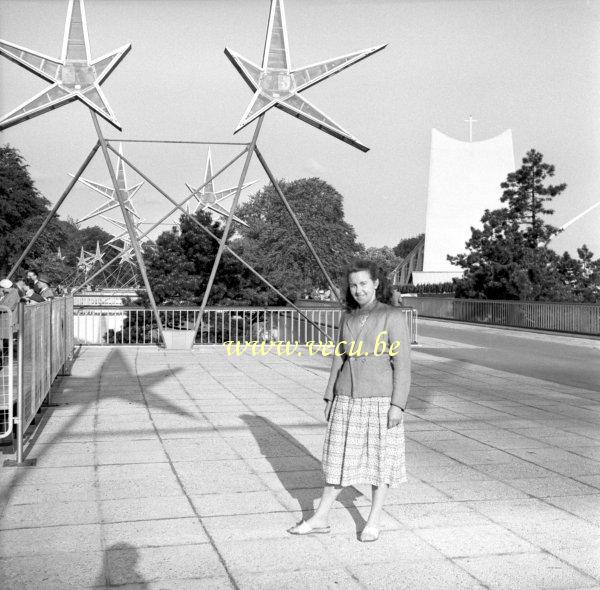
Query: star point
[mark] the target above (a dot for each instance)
(75, 76)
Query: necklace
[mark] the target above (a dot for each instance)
(363, 317)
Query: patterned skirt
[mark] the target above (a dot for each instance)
(359, 447)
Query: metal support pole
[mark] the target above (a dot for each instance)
(128, 222)
(296, 221)
(215, 237)
(19, 417)
(50, 215)
(225, 235)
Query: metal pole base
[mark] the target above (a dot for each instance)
(14, 463)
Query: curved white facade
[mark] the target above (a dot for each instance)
(464, 180)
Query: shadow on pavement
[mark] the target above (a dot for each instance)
(114, 364)
(120, 567)
(270, 438)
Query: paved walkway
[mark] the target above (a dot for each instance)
(184, 470)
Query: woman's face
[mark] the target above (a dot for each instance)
(362, 286)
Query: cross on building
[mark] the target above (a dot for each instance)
(470, 121)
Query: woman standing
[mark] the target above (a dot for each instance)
(365, 400)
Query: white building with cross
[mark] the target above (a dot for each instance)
(464, 180)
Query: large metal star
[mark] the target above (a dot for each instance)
(109, 192)
(275, 83)
(209, 198)
(72, 77)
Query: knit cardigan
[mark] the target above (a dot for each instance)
(373, 360)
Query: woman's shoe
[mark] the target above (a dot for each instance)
(369, 534)
(306, 529)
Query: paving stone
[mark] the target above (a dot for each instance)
(145, 508)
(433, 574)
(155, 533)
(237, 503)
(478, 490)
(276, 555)
(474, 540)
(525, 571)
(392, 545)
(54, 539)
(439, 514)
(130, 565)
(53, 571)
(329, 579)
(49, 514)
(544, 487)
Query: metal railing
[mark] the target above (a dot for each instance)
(44, 337)
(577, 318)
(98, 325)
(7, 340)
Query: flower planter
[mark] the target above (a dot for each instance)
(178, 339)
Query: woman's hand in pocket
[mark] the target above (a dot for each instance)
(394, 416)
(327, 412)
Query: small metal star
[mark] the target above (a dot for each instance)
(209, 198)
(109, 192)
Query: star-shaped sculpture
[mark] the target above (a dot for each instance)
(85, 260)
(98, 255)
(126, 252)
(275, 83)
(209, 198)
(109, 192)
(72, 77)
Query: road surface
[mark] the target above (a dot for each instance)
(562, 359)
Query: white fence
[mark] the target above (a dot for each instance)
(42, 335)
(96, 325)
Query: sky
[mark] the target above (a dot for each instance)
(528, 65)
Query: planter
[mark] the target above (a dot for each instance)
(178, 339)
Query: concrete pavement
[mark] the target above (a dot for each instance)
(184, 470)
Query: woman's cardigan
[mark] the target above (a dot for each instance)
(361, 367)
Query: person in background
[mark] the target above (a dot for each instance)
(9, 295)
(28, 295)
(41, 284)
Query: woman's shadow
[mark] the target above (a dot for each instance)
(270, 447)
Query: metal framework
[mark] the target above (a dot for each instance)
(75, 76)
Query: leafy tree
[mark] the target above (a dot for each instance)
(273, 245)
(180, 264)
(404, 247)
(581, 275)
(21, 206)
(509, 257)
(384, 257)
